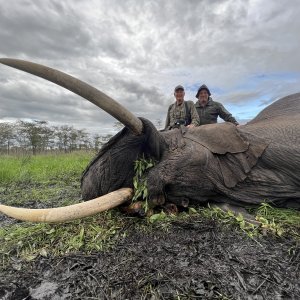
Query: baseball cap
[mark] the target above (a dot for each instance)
(178, 87)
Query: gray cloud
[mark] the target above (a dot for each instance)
(43, 30)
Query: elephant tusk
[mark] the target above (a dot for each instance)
(71, 212)
(80, 88)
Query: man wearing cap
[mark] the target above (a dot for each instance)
(209, 110)
(181, 112)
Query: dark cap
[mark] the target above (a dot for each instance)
(178, 87)
(203, 87)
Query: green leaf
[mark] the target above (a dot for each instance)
(43, 252)
(192, 211)
(81, 234)
(240, 217)
(145, 193)
(149, 165)
(157, 217)
(230, 213)
(280, 231)
(52, 230)
(29, 257)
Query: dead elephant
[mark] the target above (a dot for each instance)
(242, 165)
(246, 165)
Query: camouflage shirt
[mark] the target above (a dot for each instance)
(209, 113)
(177, 114)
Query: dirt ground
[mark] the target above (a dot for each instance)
(193, 259)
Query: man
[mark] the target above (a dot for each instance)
(209, 110)
(181, 112)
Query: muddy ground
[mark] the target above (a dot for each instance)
(194, 259)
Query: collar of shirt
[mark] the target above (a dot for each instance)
(179, 104)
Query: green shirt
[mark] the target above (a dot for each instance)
(177, 113)
(209, 113)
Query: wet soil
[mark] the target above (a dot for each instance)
(194, 259)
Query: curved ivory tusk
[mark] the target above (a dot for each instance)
(71, 212)
(80, 88)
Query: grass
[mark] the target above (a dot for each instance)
(54, 180)
(275, 221)
(28, 240)
(280, 215)
(51, 181)
(42, 168)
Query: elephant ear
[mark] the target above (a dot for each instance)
(235, 167)
(218, 138)
(235, 151)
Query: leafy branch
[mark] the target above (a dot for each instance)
(139, 180)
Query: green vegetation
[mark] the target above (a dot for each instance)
(51, 181)
(54, 180)
(139, 180)
(276, 221)
(42, 168)
(29, 240)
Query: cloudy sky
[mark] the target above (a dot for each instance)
(135, 51)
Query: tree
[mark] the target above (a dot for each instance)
(63, 135)
(84, 139)
(97, 143)
(35, 135)
(7, 135)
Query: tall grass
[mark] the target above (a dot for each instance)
(43, 168)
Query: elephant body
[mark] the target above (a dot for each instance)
(254, 163)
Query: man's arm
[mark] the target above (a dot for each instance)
(194, 115)
(226, 115)
(167, 124)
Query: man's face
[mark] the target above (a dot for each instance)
(179, 95)
(203, 97)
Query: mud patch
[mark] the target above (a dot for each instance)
(193, 259)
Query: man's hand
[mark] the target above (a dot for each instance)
(191, 126)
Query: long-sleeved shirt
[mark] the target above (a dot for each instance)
(177, 114)
(210, 112)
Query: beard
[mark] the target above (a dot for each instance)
(203, 102)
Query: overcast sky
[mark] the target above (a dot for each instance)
(246, 52)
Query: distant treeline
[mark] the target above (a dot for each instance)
(39, 137)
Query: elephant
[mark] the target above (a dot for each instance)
(245, 165)
(250, 164)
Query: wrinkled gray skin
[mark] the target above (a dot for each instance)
(254, 163)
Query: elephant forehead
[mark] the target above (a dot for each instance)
(218, 138)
